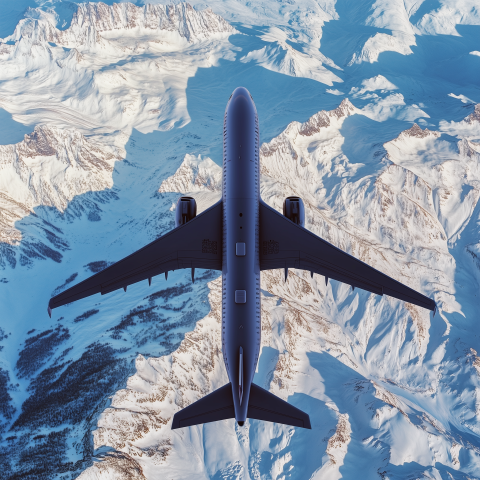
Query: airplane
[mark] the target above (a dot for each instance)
(240, 236)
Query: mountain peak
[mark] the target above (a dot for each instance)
(92, 19)
(194, 175)
(322, 118)
(475, 115)
(416, 131)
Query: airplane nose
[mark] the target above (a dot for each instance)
(241, 95)
(241, 91)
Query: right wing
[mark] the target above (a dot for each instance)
(196, 244)
(283, 244)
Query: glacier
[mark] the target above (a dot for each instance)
(369, 110)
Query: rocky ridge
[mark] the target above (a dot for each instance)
(99, 54)
(49, 168)
(91, 20)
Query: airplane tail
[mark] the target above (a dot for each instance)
(262, 405)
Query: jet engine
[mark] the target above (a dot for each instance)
(294, 210)
(186, 210)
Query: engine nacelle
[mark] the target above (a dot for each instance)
(186, 210)
(294, 210)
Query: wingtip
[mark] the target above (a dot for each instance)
(434, 310)
(49, 310)
(175, 422)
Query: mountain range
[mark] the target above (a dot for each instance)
(368, 110)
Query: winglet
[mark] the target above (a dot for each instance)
(49, 311)
(286, 274)
(326, 280)
(193, 275)
(149, 281)
(166, 275)
(434, 310)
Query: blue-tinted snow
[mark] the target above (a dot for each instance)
(10, 130)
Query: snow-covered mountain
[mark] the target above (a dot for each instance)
(370, 111)
(50, 167)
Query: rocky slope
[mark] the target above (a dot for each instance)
(94, 55)
(93, 21)
(49, 168)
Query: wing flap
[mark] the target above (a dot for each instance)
(283, 244)
(196, 244)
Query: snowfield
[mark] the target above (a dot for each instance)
(369, 110)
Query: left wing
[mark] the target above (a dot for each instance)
(283, 244)
(196, 244)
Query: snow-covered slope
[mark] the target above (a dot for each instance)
(279, 56)
(50, 167)
(111, 111)
(131, 65)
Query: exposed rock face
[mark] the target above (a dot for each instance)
(93, 19)
(183, 18)
(49, 167)
(296, 148)
(194, 175)
(322, 119)
(474, 117)
(417, 132)
(120, 57)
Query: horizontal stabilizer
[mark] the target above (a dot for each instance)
(218, 405)
(263, 405)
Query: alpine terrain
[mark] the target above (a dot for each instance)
(369, 111)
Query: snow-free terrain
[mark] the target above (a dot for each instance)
(369, 110)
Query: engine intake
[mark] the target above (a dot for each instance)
(186, 210)
(294, 210)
